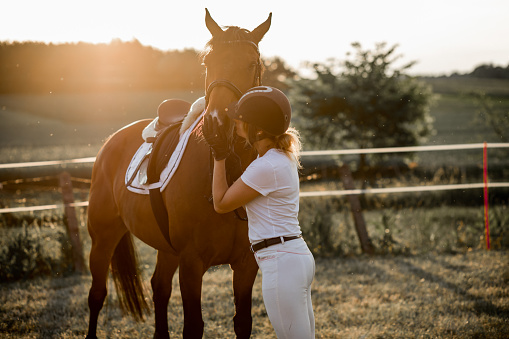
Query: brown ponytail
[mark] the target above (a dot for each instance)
(290, 144)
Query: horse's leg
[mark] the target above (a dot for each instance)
(244, 275)
(191, 270)
(161, 286)
(105, 238)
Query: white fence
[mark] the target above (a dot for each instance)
(485, 184)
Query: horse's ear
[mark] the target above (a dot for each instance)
(258, 33)
(213, 27)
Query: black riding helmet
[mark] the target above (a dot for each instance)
(264, 107)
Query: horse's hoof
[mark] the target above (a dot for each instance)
(91, 337)
(158, 335)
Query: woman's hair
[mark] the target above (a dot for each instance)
(288, 142)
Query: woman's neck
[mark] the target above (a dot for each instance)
(262, 146)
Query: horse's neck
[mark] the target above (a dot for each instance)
(247, 156)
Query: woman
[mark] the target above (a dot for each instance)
(269, 190)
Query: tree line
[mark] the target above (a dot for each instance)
(488, 71)
(34, 67)
(81, 67)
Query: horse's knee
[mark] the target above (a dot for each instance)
(161, 282)
(96, 299)
(161, 290)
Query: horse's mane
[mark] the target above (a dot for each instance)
(196, 109)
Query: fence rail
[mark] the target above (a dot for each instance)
(409, 189)
(42, 207)
(305, 154)
(402, 189)
(47, 163)
(407, 149)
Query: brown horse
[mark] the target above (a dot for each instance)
(199, 237)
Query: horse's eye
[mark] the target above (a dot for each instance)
(252, 65)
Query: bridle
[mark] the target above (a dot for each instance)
(230, 85)
(238, 93)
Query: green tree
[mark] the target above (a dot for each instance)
(364, 102)
(277, 73)
(493, 115)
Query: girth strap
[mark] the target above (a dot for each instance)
(156, 196)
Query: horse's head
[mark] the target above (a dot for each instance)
(233, 65)
(232, 62)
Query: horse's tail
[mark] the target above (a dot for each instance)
(128, 280)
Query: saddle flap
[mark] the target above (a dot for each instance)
(172, 111)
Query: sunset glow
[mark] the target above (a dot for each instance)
(443, 36)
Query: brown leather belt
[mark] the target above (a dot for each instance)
(272, 241)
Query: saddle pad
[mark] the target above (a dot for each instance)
(136, 174)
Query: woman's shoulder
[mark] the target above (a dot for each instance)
(274, 153)
(277, 159)
(272, 158)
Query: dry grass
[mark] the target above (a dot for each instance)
(446, 296)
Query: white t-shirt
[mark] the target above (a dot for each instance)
(274, 213)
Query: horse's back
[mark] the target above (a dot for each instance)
(123, 142)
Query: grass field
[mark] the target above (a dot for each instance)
(426, 296)
(52, 127)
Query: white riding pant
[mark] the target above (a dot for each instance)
(287, 272)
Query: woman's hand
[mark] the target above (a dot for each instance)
(216, 136)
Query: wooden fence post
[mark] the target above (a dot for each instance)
(72, 222)
(355, 205)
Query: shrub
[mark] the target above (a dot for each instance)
(326, 227)
(28, 252)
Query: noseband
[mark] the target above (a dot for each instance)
(230, 85)
(222, 83)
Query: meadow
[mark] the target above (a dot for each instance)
(431, 276)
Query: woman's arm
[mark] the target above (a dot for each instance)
(227, 199)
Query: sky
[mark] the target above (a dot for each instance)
(443, 36)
